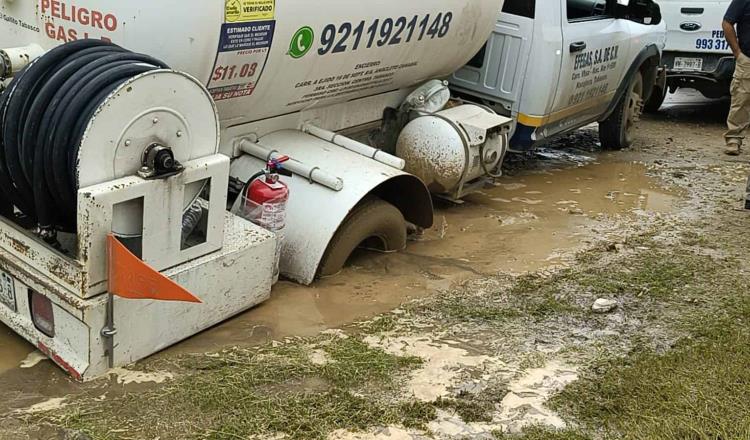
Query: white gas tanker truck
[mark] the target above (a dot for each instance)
(149, 121)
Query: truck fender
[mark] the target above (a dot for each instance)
(315, 212)
(648, 58)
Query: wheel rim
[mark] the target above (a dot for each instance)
(634, 108)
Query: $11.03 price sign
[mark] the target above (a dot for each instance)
(242, 55)
(228, 73)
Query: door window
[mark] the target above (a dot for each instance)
(585, 10)
(523, 8)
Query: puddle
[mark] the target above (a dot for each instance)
(125, 376)
(33, 359)
(525, 403)
(46, 406)
(13, 349)
(531, 220)
(496, 230)
(442, 364)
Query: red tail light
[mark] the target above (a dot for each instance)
(42, 314)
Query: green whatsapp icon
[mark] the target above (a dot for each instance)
(302, 42)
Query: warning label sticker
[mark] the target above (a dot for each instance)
(240, 11)
(241, 58)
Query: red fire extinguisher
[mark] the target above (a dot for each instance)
(265, 196)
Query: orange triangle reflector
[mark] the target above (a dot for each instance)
(131, 278)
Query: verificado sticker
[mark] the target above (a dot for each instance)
(238, 11)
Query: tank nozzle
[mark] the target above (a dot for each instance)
(5, 66)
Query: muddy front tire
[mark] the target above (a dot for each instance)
(374, 224)
(618, 130)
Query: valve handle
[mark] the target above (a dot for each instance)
(276, 166)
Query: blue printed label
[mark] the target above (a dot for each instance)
(241, 58)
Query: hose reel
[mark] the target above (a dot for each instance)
(89, 112)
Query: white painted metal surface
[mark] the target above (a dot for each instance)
(694, 26)
(15, 59)
(315, 212)
(289, 56)
(228, 282)
(85, 275)
(312, 173)
(164, 107)
(355, 146)
(162, 210)
(231, 272)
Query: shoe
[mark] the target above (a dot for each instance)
(733, 149)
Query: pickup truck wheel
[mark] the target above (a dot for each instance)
(616, 132)
(373, 224)
(654, 103)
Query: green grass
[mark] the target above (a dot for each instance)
(656, 274)
(699, 390)
(543, 433)
(653, 273)
(504, 305)
(263, 392)
(472, 408)
(379, 325)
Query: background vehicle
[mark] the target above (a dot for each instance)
(555, 66)
(697, 55)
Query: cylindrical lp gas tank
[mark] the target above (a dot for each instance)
(263, 58)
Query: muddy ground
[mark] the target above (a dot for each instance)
(484, 327)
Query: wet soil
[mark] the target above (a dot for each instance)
(535, 218)
(545, 209)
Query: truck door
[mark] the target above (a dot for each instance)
(595, 53)
(497, 72)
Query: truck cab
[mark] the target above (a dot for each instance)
(556, 66)
(697, 55)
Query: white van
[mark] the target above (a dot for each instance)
(697, 55)
(554, 66)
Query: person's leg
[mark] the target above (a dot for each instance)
(747, 195)
(739, 112)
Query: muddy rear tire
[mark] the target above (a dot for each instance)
(618, 130)
(374, 223)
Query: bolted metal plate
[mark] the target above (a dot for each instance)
(162, 106)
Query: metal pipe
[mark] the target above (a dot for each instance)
(314, 174)
(14, 59)
(354, 146)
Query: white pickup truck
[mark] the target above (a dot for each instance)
(557, 65)
(697, 55)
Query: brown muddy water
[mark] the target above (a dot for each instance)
(533, 219)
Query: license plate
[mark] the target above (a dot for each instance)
(7, 291)
(688, 63)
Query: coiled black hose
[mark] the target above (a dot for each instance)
(44, 113)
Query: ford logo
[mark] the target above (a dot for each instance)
(691, 26)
